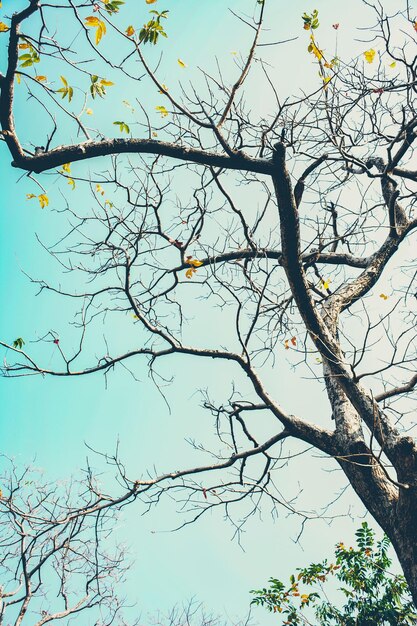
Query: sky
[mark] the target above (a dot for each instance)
(48, 421)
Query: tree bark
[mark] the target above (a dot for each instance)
(390, 499)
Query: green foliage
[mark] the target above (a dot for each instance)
(67, 91)
(29, 58)
(113, 6)
(372, 596)
(311, 21)
(153, 29)
(123, 127)
(98, 86)
(18, 343)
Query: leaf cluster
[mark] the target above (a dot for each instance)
(311, 21)
(372, 595)
(113, 6)
(124, 128)
(153, 29)
(27, 59)
(67, 91)
(98, 86)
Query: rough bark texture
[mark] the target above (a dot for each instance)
(391, 501)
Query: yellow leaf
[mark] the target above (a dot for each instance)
(287, 344)
(150, 1)
(18, 78)
(71, 182)
(383, 296)
(312, 48)
(29, 196)
(3, 27)
(99, 25)
(92, 21)
(24, 46)
(106, 83)
(100, 31)
(233, 52)
(67, 168)
(317, 53)
(164, 88)
(369, 55)
(99, 189)
(43, 200)
(41, 79)
(130, 31)
(194, 264)
(181, 63)
(162, 110)
(393, 64)
(89, 111)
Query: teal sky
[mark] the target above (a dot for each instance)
(47, 421)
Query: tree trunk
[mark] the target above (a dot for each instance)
(394, 507)
(404, 532)
(404, 541)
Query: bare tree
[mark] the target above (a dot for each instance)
(294, 235)
(59, 561)
(54, 565)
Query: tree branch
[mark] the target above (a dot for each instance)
(396, 391)
(92, 149)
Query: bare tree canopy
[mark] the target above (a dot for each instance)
(54, 564)
(288, 221)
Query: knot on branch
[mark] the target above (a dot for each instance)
(377, 162)
(406, 453)
(359, 454)
(278, 155)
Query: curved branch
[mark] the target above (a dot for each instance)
(308, 258)
(92, 149)
(7, 81)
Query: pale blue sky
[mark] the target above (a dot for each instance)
(48, 420)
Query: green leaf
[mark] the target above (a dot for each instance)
(18, 343)
(66, 90)
(29, 58)
(151, 31)
(123, 127)
(113, 7)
